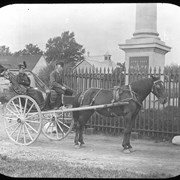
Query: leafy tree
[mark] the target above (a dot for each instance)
(30, 49)
(64, 48)
(172, 71)
(4, 51)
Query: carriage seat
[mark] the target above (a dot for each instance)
(66, 100)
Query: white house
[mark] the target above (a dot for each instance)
(97, 62)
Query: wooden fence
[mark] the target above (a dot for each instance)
(154, 119)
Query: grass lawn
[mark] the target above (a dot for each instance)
(22, 168)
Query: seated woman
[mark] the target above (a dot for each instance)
(22, 77)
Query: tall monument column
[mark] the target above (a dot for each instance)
(145, 49)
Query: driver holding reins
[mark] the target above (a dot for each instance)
(56, 83)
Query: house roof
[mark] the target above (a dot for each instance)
(98, 62)
(13, 61)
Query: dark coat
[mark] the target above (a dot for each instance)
(23, 79)
(56, 79)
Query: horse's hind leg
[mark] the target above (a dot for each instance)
(83, 118)
(76, 126)
(81, 128)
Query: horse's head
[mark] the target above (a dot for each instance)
(158, 89)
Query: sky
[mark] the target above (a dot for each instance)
(98, 27)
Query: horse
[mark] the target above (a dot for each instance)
(134, 93)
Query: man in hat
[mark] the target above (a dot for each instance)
(22, 77)
(56, 83)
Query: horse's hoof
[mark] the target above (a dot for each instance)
(82, 145)
(126, 151)
(76, 146)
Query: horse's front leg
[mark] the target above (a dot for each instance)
(81, 128)
(76, 126)
(127, 133)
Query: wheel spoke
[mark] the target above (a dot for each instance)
(29, 109)
(11, 118)
(33, 114)
(24, 135)
(25, 106)
(20, 105)
(28, 132)
(56, 130)
(31, 127)
(11, 111)
(11, 125)
(63, 124)
(19, 133)
(15, 107)
(14, 130)
(61, 129)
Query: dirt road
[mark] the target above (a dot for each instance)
(99, 151)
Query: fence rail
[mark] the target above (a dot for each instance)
(154, 119)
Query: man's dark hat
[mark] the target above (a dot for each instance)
(60, 63)
(22, 65)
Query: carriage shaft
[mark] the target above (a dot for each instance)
(87, 107)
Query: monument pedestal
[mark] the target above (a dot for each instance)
(145, 49)
(143, 53)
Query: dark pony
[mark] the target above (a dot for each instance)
(134, 93)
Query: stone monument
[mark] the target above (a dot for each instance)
(145, 49)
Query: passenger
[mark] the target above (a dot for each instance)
(56, 83)
(22, 77)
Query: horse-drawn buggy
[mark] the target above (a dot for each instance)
(30, 111)
(26, 116)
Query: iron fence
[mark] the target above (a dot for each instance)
(154, 119)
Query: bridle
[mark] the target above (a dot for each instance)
(157, 85)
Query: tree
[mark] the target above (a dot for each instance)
(64, 48)
(172, 72)
(30, 49)
(4, 51)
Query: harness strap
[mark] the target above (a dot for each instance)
(94, 98)
(134, 96)
(82, 96)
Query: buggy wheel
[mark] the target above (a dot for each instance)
(57, 125)
(22, 119)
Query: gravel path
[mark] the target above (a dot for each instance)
(99, 151)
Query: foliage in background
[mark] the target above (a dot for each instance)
(4, 51)
(172, 72)
(64, 48)
(30, 49)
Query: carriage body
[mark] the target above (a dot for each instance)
(29, 112)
